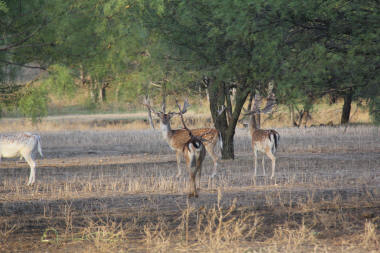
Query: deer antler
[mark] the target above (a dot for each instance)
(271, 103)
(184, 107)
(150, 109)
(181, 112)
(146, 102)
(258, 100)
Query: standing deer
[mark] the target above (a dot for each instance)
(194, 152)
(176, 138)
(21, 145)
(265, 141)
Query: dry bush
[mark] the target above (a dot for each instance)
(289, 239)
(201, 229)
(370, 237)
(106, 235)
(7, 229)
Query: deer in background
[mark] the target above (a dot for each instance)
(178, 137)
(194, 152)
(265, 141)
(21, 145)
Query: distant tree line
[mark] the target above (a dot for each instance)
(231, 50)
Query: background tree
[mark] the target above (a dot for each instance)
(332, 48)
(309, 49)
(224, 42)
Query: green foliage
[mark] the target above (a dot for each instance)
(3, 6)
(90, 105)
(34, 103)
(310, 48)
(60, 81)
(374, 106)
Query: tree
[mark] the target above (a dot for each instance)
(20, 26)
(224, 42)
(333, 48)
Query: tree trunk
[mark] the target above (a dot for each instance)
(163, 94)
(301, 113)
(217, 95)
(292, 117)
(258, 120)
(93, 95)
(102, 94)
(347, 107)
(228, 151)
(229, 102)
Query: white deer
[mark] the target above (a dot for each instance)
(23, 145)
(176, 138)
(265, 141)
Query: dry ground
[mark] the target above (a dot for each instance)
(115, 191)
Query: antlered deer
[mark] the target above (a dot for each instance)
(23, 145)
(176, 138)
(194, 152)
(265, 141)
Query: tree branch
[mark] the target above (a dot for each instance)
(19, 43)
(23, 65)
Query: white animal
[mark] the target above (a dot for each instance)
(23, 145)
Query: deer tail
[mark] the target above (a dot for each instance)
(275, 138)
(195, 149)
(39, 145)
(220, 140)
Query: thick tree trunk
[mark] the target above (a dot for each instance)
(347, 107)
(228, 151)
(217, 94)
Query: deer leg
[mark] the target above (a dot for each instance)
(32, 165)
(210, 150)
(178, 156)
(263, 164)
(273, 158)
(193, 192)
(199, 177)
(255, 160)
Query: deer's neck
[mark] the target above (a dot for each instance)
(252, 123)
(166, 131)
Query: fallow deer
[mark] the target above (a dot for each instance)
(194, 152)
(23, 145)
(265, 141)
(176, 138)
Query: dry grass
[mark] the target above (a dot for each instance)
(322, 113)
(115, 191)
